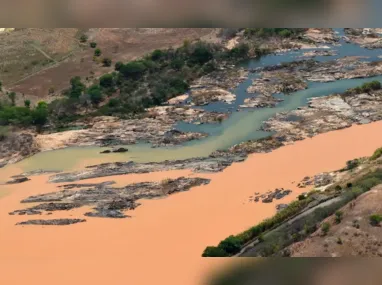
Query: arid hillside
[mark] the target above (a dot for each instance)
(40, 62)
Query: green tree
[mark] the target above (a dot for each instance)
(201, 54)
(106, 80)
(157, 55)
(97, 52)
(95, 94)
(230, 245)
(77, 87)
(27, 103)
(134, 69)
(93, 44)
(12, 97)
(106, 61)
(40, 115)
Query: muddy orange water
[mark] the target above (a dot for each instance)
(163, 241)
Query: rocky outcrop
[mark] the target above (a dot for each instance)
(267, 86)
(18, 179)
(204, 96)
(369, 38)
(16, 146)
(108, 202)
(326, 114)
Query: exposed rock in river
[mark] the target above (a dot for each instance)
(55, 222)
(208, 164)
(108, 201)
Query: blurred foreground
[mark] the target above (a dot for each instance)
(298, 271)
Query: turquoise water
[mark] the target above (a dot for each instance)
(240, 126)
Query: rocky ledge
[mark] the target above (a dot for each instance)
(107, 201)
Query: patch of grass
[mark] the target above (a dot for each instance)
(375, 220)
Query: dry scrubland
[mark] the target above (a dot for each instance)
(36, 60)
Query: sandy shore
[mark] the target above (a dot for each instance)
(163, 242)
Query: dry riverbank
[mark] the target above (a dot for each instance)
(165, 237)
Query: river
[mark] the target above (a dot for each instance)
(239, 127)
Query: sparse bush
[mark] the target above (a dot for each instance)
(349, 185)
(339, 240)
(375, 220)
(93, 44)
(325, 227)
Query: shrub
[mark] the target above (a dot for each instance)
(213, 251)
(83, 38)
(118, 65)
(93, 44)
(97, 52)
(106, 61)
(339, 240)
(325, 227)
(375, 220)
(301, 197)
(338, 188)
(27, 103)
(339, 215)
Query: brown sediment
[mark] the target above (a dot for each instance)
(163, 241)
